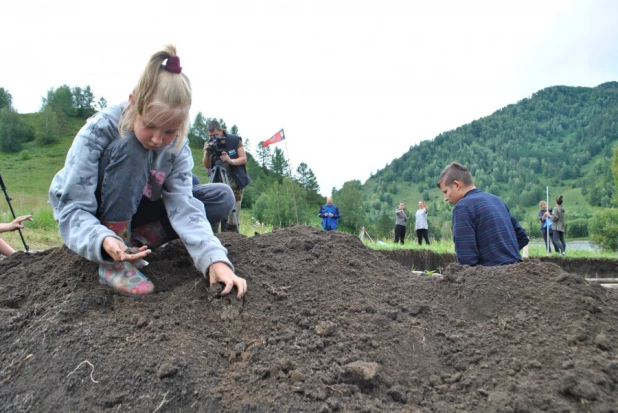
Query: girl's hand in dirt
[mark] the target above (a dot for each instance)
(222, 273)
(116, 249)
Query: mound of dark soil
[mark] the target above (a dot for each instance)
(327, 325)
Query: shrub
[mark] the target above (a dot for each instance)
(577, 228)
(24, 155)
(604, 228)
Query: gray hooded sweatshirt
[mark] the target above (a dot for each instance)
(72, 195)
(557, 216)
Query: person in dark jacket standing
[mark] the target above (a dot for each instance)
(401, 218)
(330, 215)
(227, 151)
(557, 216)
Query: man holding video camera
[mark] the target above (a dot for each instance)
(225, 159)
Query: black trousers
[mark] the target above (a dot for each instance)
(558, 239)
(551, 237)
(400, 233)
(422, 233)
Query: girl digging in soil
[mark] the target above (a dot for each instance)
(127, 182)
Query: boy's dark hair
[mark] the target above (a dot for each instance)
(455, 172)
(559, 200)
(213, 125)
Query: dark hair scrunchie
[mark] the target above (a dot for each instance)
(173, 64)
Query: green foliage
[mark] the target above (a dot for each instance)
(561, 137)
(25, 155)
(349, 200)
(198, 132)
(278, 164)
(577, 228)
(604, 228)
(83, 101)
(306, 178)
(615, 173)
(13, 132)
(47, 129)
(6, 100)
(61, 101)
(263, 155)
(385, 225)
(59, 106)
(283, 204)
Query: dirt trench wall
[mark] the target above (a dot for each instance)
(421, 260)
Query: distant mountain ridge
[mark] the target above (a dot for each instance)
(561, 136)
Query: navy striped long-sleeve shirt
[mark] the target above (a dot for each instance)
(485, 232)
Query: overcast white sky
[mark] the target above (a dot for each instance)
(354, 83)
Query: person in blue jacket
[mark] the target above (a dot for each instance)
(330, 215)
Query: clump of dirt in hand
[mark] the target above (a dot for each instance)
(326, 325)
(131, 250)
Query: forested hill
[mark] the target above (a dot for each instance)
(561, 136)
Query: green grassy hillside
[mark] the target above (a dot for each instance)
(28, 174)
(561, 138)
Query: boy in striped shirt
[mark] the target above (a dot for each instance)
(484, 231)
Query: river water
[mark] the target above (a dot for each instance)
(573, 245)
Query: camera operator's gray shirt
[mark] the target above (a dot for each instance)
(72, 194)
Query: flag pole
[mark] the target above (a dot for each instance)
(290, 172)
(547, 203)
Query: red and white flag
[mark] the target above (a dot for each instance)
(277, 137)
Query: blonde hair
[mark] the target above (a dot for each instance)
(161, 91)
(542, 204)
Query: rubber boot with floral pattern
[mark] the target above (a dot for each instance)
(124, 277)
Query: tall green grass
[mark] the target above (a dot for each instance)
(438, 246)
(448, 247)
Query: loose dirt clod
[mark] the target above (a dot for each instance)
(131, 250)
(327, 325)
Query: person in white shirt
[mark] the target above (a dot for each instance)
(421, 227)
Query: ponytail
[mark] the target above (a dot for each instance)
(164, 88)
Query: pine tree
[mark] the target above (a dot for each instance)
(278, 164)
(6, 100)
(263, 155)
(306, 178)
(198, 132)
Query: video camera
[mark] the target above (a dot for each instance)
(218, 145)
